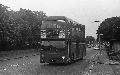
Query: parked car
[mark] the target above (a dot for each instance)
(96, 48)
(89, 46)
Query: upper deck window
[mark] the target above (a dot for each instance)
(52, 33)
(43, 33)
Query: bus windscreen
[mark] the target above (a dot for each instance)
(54, 45)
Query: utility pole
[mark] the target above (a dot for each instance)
(99, 39)
(100, 42)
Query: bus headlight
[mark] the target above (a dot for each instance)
(63, 57)
(42, 55)
(41, 49)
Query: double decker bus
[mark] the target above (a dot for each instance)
(62, 40)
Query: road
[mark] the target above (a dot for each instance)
(30, 65)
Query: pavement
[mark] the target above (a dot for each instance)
(8, 55)
(100, 65)
(116, 69)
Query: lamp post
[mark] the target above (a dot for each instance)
(99, 39)
(99, 36)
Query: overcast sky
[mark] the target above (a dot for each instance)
(83, 11)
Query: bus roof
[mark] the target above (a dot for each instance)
(66, 22)
(54, 18)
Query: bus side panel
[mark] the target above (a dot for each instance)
(77, 51)
(82, 50)
(73, 50)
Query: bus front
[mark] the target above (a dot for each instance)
(53, 44)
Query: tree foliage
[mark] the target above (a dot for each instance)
(18, 27)
(110, 28)
(90, 39)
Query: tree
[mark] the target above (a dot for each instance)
(4, 18)
(18, 27)
(110, 28)
(90, 39)
(30, 30)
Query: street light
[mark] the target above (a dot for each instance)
(96, 21)
(99, 39)
(100, 42)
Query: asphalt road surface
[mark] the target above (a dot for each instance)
(30, 65)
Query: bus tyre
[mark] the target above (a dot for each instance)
(82, 56)
(72, 58)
